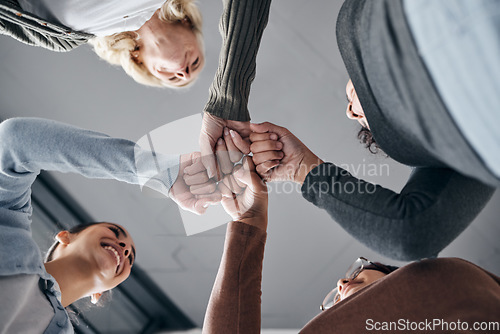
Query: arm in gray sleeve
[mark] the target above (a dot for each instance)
(433, 208)
(242, 25)
(33, 30)
(29, 145)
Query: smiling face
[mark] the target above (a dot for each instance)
(106, 250)
(354, 110)
(170, 51)
(347, 287)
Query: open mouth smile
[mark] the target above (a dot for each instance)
(115, 252)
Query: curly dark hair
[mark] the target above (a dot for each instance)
(365, 136)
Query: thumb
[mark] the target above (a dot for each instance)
(246, 175)
(268, 127)
(207, 155)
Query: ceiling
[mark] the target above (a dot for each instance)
(300, 85)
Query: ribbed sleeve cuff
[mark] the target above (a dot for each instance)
(156, 171)
(242, 25)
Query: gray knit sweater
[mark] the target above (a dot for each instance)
(36, 31)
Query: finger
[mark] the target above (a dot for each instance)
(206, 188)
(236, 169)
(196, 178)
(250, 179)
(268, 127)
(234, 153)
(202, 202)
(240, 143)
(260, 158)
(196, 164)
(230, 182)
(243, 128)
(226, 166)
(265, 167)
(255, 136)
(208, 157)
(248, 164)
(212, 198)
(200, 207)
(266, 145)
(224, 190)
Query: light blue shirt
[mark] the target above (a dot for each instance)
(29, 145)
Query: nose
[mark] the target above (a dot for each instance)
(127, 248)
(184, 73)
(350, 113)
(341, 284)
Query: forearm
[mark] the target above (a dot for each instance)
(242, 25)
(29, 145)
(434, 207)
(27, 28)
(234, 305)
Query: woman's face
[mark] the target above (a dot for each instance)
(347, 288)
(354, 109)
(108, 252)
(170, 51)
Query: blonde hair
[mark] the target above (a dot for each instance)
(117, 49)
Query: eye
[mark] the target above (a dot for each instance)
(196, 61)
(115, 230)
(131, 260)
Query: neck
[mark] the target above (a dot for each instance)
(72, 277)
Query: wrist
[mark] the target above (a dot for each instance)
(309, 162)
(257, 221)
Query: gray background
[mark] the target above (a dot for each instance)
(300, 84)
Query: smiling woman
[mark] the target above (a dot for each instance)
(101, 252)
(157, 42)
(89, 259)
(167, 50)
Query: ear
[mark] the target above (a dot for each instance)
(94, 298)
(64, 237)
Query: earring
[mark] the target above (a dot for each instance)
(94, 298)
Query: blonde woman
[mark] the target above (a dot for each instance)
(157, 42)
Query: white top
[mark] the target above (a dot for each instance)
(98, 17)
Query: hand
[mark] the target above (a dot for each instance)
(195, 198)
(244, 194)
(228, 151)
(211, 130)
(285, 159)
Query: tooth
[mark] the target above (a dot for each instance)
(116, 254)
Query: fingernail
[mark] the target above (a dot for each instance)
(273, 136)
(220, 141)
(226, 131)
(232, 133)
(206, 205)
(279, 145)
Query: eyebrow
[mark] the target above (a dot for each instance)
(122, 230)
(195, 67)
